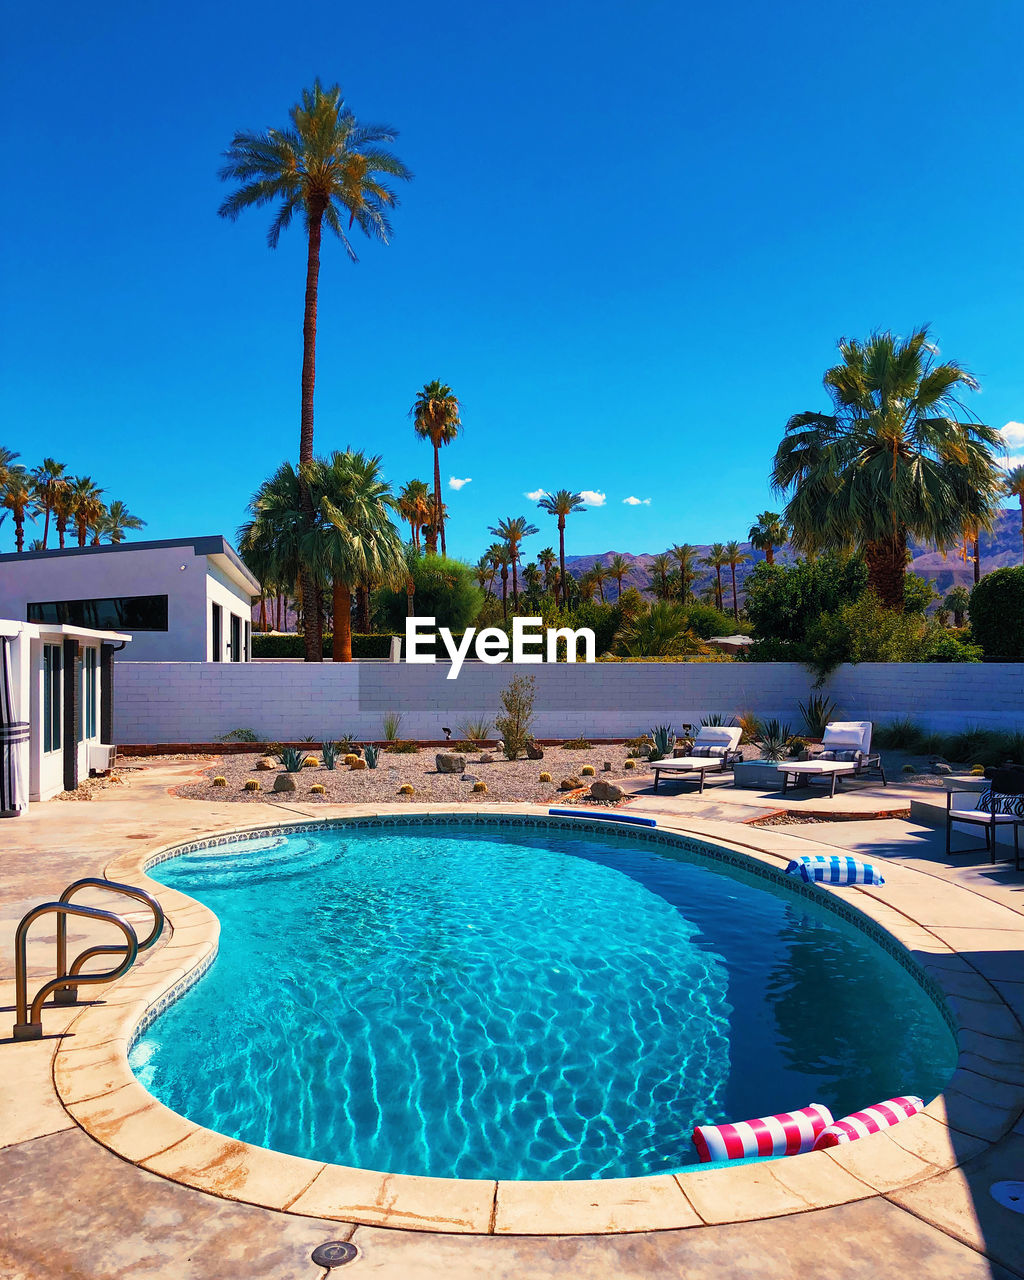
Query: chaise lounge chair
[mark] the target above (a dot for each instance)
(714, 750)
(845, 753)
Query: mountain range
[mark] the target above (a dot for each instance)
(1001, 547)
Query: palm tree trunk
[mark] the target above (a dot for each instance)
(887, 567)
(263, 610)
(561, 555)
(504, 592)
(341, 650)
(718, 588)
(61, 530)
(438, 521)
(769, 554)
(19, 532)
(977, 559)
(515, 581)
(1022, 527)
(312, 634)
(410, 596)
(46, 525)
(735, 603)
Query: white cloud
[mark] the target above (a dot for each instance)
(536, 495)
(593, 497)
(636, 502)
(1013, 438)
(455, 483)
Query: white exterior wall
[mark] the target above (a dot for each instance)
(220, 590)
(127, 572)
(285, 701)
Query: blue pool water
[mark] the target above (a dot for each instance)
(541, 1003)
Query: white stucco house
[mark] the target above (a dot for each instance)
(182, 600)
(56, 708)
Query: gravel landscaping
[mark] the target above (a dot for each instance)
(506, 780)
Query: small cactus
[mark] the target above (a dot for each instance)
(909, 768)
(351, 758)
(977, 771)
(629, 764)
(311, 762)
(252, 784)
(480, 787)
(587, 771)
(406, 789)
(545, 777)
(317, 789)
(220, 782)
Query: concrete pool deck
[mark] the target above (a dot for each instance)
(917, 1196)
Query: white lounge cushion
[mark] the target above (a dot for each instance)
(715, 735)
(982, 815)
(819, 766)
(847, 733)
(687, 764)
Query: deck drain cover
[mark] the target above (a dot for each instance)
(1009, 1194)
(334, 1253)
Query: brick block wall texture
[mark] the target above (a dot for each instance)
(182, 702)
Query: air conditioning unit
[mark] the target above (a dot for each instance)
(101, 756)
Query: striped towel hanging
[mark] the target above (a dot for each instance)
(834, 869)
(14, 734)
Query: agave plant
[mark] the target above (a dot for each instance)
(329, 754)
(370, 755)
(292, 759)
(664, 740)
(817, 711)
(714, 721)
(774, 740)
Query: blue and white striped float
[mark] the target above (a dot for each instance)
(820, 868)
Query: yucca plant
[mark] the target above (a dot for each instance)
(664, 740)
(329, 754)
(478, 730)
(774, 740)
(817, 711)
(391, 725)
(370, 755)
(292, 759)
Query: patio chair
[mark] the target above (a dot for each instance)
(715, 750)
(845, 753)
(1001, 804)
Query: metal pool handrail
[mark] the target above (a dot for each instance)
(67, 993)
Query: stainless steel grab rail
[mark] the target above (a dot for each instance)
(67, 992)
(29, 1024)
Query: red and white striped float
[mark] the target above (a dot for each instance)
(786, 1134)
(871, 1120)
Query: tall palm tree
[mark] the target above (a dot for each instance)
(599, 575)
(618, 567)
(332, 171)
(117, 520)
(45, 479)
(561, 504)
(503, 558)
(483, 571)
(547, 561)
(357, 545)
(18, 496)
(687, 557)
(271, 541)
(958, 602)
(717, 559)
(65, 503)
(436, 417)
(414, 507)
(768, 532)
(88, 506)
(588, 585)
(734, 555)
(511, 531)
(660, 568)
(493, 556)
(1013, 487)
(898, 457)
(532, 578)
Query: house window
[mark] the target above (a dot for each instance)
(87, 727)
(51, 697)
(236, 638)
(114, 613)
(217, 624)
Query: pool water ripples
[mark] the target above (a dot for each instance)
(544, 1004)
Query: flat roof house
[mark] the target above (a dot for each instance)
(182, 600)
(56, 708)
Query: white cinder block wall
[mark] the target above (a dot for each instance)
(183, 702)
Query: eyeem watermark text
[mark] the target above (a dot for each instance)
(531, 642)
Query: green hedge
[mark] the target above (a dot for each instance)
(363, 646)
(997, 613)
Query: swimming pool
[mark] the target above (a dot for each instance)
(536, 1001)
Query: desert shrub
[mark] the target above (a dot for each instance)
(390, 725)
(918, 593)
(445, 589)
(705, 621)
(516, 721)
(402, 747)
(751, 726)
(997, 613)
(241, 735)
(476, 730)
(638, 746)
(898, 735)
(661, 631)
(577, 744)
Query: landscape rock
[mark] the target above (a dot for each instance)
(285, 782)
(533, 752)
(469, 777)
(940, 766)
(606, 767)
(570, 784)
(449, 762)
(486, 758)
(600, 790)
(265, 763)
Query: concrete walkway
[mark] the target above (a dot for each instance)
(70, 1208)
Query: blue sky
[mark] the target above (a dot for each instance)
(635, 233)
